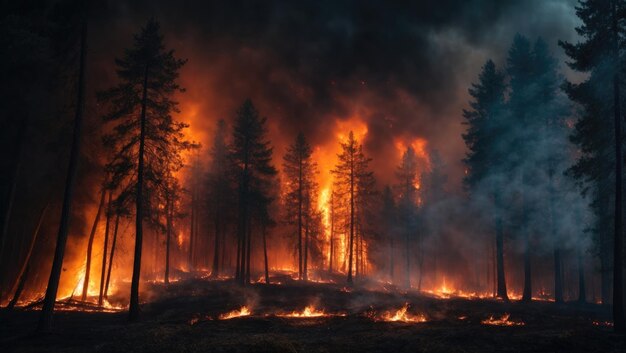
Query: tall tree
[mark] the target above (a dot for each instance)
(520, 69)
(45, 319)
(146, 140)
(220, 191)
(408, 180)
(351, 170)
(300, 171)
(599, 54)
(485, 120)
(252, 154)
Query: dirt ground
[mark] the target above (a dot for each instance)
(182, 317)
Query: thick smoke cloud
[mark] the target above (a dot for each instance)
(403, 68)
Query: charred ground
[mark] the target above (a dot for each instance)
(185, 318)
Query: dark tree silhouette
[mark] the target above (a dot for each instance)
(408, 179)
(485, 121)
(252, 154)
(599, 54)
(350, 171)
(300, 172)
(146, 140)
(45, 319)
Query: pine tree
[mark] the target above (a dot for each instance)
(486, 121)
(220, 191)
(521, 69)
(252, 154)
(146, 140)
(300, 171)
(351, 171)
(600, 141)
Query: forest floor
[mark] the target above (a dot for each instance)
(184, 317)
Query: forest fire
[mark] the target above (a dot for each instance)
(324, 169)
(502, 321)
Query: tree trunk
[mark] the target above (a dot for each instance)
(582, 292)
(267, 272)
(168, 234)
(45, 320)
(332, 233)
(133, 310)
(23, 275)
(351, 240)
(104, 250)
(502, 292)
(248, 252)
(300, 217)
(90, 245)
(215, 271)
(528, 287)
(106, 285)
(391, 262)
(306, 250)
(192, 227)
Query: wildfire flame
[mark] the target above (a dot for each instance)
(244, 311)
(309, 311)
(400, 315)
(503, 321)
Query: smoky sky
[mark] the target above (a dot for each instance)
(403, 67)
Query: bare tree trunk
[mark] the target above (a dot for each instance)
(248, 252)
(215, 271)
(133, 310)
(104, 249)
(332, 232)
(351, 240)
(23, 275)
(528, 286)
(90, 245)
(502, 292)
(582, 292)
(267, 272)
(306, 250)
(168, 234)
(106, 285)
(45, 320)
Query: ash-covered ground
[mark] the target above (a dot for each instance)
(185, 317)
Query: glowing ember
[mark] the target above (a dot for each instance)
(503, 321)
(244, 311)
(400, 315)
(603, 323)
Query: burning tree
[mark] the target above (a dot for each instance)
(300, 194)
(146, 140)
(252, 156)
(352, 176)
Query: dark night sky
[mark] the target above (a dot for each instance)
(403, 67)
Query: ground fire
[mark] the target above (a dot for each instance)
(312, 176)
